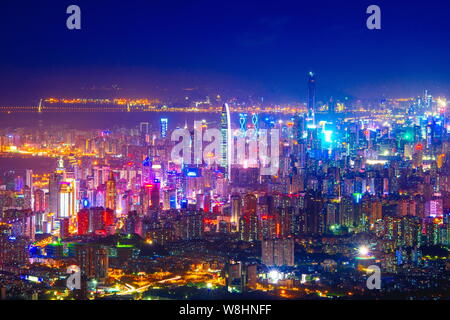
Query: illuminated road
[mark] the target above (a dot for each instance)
(141, 283)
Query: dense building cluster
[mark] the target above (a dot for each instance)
(350, 191)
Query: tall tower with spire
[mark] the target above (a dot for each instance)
(311, 98)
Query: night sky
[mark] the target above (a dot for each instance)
(151, 47)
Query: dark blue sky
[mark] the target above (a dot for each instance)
(255, 47)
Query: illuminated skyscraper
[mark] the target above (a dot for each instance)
(311, 98)
(164, 126)
(67, 205)
(147, 174)
(154, 195)
(248, 223)
(225, 128)
(250, 204)
(243, 123)
(110, 201)
(54, 186)
(255, 122)
(236, 207)
(39, 201)
(299, 129)
(83, 221)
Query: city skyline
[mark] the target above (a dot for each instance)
(353, 192)
(254, 152)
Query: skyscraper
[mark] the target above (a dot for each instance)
(225, 128)
(236, 207)
(110, 201)
(311, 98)
(243, 123)
(164, 126)
(144, 131)
(39, 201)
(147, 173)
(67, 205)
(248, 223)
(54, 186)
